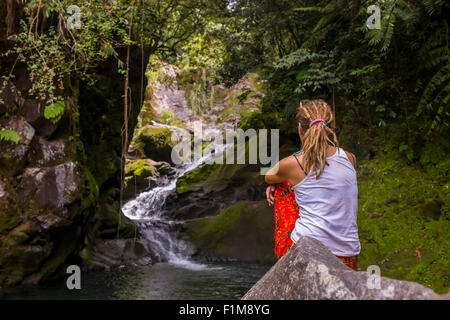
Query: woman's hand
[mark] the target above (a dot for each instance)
(269, 194)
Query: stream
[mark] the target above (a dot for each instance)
(166, 281)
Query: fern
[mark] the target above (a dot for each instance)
(436, 94)
(392, 12)
(435, 6)
(308, 9)
(9, 135)
(332, 14)
(437, 88)
(54, 111)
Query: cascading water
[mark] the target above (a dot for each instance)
(147, 209)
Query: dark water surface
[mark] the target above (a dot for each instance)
(160, 281)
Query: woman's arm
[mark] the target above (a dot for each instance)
(279, 172)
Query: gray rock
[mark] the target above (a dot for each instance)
(3, 193)
(310, 271)
(9, 99)
(46, 153)
(109, 254)
(33, 112)
(55, 187)
(13, 156)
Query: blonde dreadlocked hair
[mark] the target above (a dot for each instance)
(316, 138)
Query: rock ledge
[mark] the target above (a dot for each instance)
(310, 271)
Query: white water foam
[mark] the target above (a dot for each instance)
(147, 210)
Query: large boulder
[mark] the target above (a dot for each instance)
(242, 232)
(54, 188)
(152, 142)
(310, 271)
(114, 253)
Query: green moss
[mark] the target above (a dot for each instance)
(255, 80)
(166, 118)
(153, 142)
(403, 219)
(243, 231)
(207, 231)
(89, 191)
(85, 255)
(259, 120)
(9, 217)
(147, 113)
(194, 178)
(141, 167)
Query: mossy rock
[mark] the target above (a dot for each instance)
(242, 232)
(10, 216)
(152, 142)
(141, 174)
(193, 179)
(141, 168)
(89, 189)
(110, 217)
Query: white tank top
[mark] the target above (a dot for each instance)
(328, 207)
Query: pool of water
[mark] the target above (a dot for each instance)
(160, 281)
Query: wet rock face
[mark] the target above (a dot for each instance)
(109, 216)
(51, 188)
(110, 254)
(47, 153)
(310, 271)
(42, 233)
(50, 180)
(9, 97)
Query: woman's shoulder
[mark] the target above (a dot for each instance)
(351, 157)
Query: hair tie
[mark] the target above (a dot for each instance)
(317, 120)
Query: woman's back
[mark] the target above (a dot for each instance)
(328, 206)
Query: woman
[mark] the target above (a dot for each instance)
(315, 190)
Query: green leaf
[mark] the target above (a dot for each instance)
(402, 147)
(9, 135)
(54, 111)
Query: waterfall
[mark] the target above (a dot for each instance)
(147, 210)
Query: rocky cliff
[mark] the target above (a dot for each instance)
(59, 184)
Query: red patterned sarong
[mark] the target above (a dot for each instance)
(285, 215)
